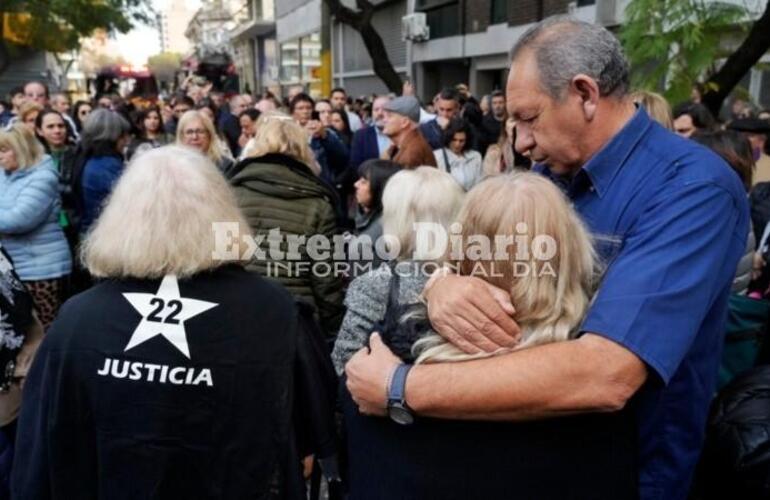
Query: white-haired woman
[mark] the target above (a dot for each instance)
(180, 374)
(29, 219)
(421, 196)
(100, 162)
(197, 131)
(519, 233)
(278, 189)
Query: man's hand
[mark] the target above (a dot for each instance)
(407, 88)
(369, 371)
(471, 314)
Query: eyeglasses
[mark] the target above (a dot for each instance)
(192, 132)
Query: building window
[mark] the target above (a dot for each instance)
(266, 61)
(583, 3)
(311, 55)
(499, 12)
(301, 61)
(265, 10)
(290, 62)
(443, 16)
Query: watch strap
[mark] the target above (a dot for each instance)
(397, 391)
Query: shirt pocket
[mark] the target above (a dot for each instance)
(608, 247)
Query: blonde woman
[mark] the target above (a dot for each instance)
(29, 219)
(179, 360)
(550, 286)
(656, 106)
(501, 157)
(197, 131)
(421, 196)
(539, 251)
(279, 191)
(28, 114)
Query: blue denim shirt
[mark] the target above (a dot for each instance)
(670, 220)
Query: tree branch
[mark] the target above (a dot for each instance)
(361, 21)
(738, 64)
(344, 14)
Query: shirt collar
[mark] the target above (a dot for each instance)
(603, 166)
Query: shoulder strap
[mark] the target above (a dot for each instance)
(446, 161)
(395, 287)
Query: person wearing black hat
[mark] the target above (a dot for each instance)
(755, 130)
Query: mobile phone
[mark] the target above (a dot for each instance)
(315, 115)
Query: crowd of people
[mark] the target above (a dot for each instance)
(213, 221)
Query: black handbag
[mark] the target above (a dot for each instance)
(403, 324)
(16, 307)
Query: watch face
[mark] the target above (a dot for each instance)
(400, 415)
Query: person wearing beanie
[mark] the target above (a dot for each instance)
(409, 149)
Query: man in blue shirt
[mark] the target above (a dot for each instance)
(670, 221)
(447, 108)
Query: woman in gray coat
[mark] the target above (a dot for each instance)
(373, 175)
(422, 195)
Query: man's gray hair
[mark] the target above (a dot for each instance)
(565, 47)
(103, 125)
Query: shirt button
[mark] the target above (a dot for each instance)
(591, 189)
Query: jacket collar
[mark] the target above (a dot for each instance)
(45, 162)
(274, 158)
(364, 219)
(290, 163)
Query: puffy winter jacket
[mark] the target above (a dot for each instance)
(29, 222)
(276, 192)
(735, 462)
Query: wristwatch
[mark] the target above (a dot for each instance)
(398, 410)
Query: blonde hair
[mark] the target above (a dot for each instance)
(29, 107)
(160, 218)
(550, 291)
(24, 145)
(656, 106)
(216, 150)
(421, 195)
(279, 133)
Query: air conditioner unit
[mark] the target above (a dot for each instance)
(609, 12)
(415, 27)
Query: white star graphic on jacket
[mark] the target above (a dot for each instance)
(164, 313)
